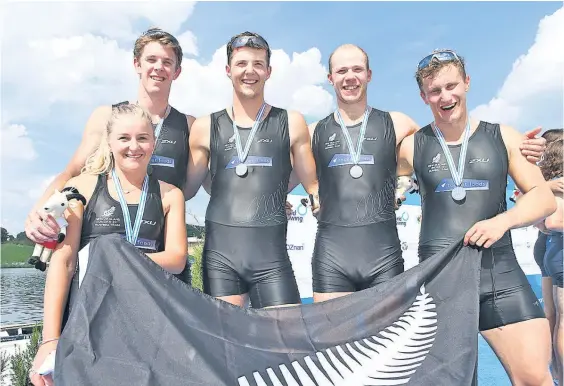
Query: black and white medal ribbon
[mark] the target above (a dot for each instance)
(241, 169)
(356, 170)
(131, 232)
(458, 193)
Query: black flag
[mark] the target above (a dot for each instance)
(132, 323)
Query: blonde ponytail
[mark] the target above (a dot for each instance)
(102, 160)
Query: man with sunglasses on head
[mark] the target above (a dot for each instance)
(157, 59)
(462, 165)
(250, 149)
(357, 244)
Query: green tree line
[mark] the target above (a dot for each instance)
(21, 238)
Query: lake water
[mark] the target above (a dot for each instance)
(21, 297)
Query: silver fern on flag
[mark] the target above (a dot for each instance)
(388, 360)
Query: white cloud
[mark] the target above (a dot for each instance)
(16, 144)
(294, 84)
(25, 20)
(532, 94)
(37, 191)
(73, 57)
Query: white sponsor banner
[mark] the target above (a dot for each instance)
(300, 239)
(302, 229)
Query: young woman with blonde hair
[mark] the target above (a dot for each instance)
(121, 198)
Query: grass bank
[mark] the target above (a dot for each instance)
(15, 255)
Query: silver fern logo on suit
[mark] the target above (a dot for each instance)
(389, 358)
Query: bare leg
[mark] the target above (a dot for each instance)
(524, 351)
(238, 300)
(550, 313)
(559, 331)
(321, 297)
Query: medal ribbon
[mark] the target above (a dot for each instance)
(456, 174)
(355, 154)
(242, 154)
(131, 233)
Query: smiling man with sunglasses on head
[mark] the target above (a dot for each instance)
(250, 149)
(157, 59)
(357, 244)
(462, 165)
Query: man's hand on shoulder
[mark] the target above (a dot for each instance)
(533, 146)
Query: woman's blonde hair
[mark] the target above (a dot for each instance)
(102, 160)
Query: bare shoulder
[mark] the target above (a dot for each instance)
(84, 183)
(98, 119)
(170, 192)
(404, 125)
(511, 137)
(311, 127)
(296, 118)
(190, 119)
(201, 124)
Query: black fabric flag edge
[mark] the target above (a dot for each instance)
(134, 323)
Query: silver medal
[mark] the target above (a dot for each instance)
(241, 170)
(356, 171)
(458, 193)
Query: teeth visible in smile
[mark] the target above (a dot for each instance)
(448, 107)
(246, 81)
(134, 156)
(348, 88)
(158, 78)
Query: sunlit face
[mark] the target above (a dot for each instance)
(157, 67)
(445, 93)
(349, 75)
(248, 71)
(131, 142)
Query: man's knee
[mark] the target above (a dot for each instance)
(532, 376)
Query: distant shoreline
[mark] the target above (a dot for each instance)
(14, 255)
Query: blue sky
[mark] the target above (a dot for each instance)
(57, 70)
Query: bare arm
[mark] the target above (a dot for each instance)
(404, 126)
(555, 222)
(34, 228)
(199, 157)
(405, 152)
(173, 258)
(294, 179)
(302, 155)
(537, 201)
(62, 268)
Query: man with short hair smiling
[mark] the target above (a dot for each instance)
(250, 149)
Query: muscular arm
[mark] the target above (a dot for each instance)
(537, 201)
(404, 126)
(173, 258)
(198, 159)
(34, 228)
(302, 156)
(294, 180)
(405, 151)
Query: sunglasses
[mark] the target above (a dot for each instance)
(249, 41)
(441, 56)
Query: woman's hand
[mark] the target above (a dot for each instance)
(42, 353)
